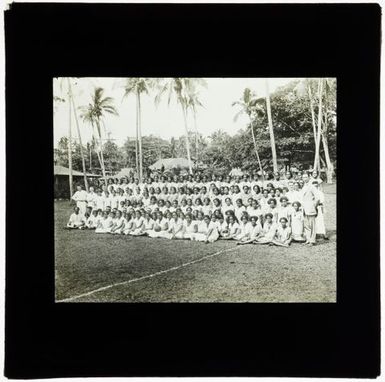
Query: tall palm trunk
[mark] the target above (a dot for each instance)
(187, 138)
(96, 144)
(139, 118)
(256, 150)
(313, 120)
(80, 139)
(136, 141)
(101, 151)
(329, 164)
(319, 127)
(70, 178)
(271, 130)
(196, 133)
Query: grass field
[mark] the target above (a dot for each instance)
(93, 267)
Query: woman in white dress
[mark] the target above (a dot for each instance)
(118, 225)
(320, 228)
(227, 206)
(282, 236)
(254, 209)
(268, 230)
(244, 229)
(233, 228)
(147, 226)
(254, 232)
(296, 219)
(203, 230)
(105, 224)
(206, 208)
(190, 227)
(92, 221)
(138, 222)
(160, 226)
(175, 228)
(223, 227)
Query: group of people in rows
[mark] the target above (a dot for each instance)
(246, 209)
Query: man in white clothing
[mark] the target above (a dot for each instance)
(80, 197)
(310, 200)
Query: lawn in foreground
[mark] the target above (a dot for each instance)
(86, 261)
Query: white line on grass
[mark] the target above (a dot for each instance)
(69, 299)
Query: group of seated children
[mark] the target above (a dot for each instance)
(270, 215)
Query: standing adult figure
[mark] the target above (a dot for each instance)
(80, 197)
(310, 200)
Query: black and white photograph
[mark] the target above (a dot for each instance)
(195, 189)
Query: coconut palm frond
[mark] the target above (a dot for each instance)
(235, 119)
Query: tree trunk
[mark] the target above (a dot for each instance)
(90, 154)
(313, 120)
(196, 135)
(101, 153)
(70, 147)
(136, 141)
(329, 164)
(256, 150)
(95, 146)
(187, 139)
(140, 138)
(316, 157)
(80, 139)
(271, 129)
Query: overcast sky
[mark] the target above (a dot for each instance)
(163, 121)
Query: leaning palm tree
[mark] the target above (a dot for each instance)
(138, 86)
(192, 103)
(181, 88)
(271, 129)
(94, 114)
(249, 106)
(72, 109)
(72, 102)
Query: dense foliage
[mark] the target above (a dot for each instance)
(293, 130)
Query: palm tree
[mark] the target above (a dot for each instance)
(319, 127)
(138, 86)
(69, 144)
(94, 114)
(181, 88)
(193, 103)
(249, 106)
(72, 102)
(271, 130)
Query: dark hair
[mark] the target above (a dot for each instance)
(272, 200)
(283, 218)
(268, 214)
(283, 198)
